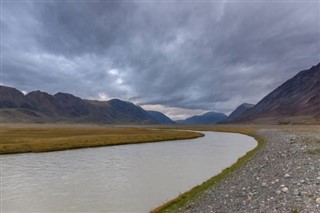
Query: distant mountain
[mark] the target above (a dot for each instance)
(44, 103)
(239, 111)
(39, 106)
(161, 117)
(118, 111)
(72, 105)
(11, 98)
(295, 101)
(207, 118)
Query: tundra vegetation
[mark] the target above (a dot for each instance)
(20, 138)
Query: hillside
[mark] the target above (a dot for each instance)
(162, 118)
(207, 118)
(295, 101)
(42, 107)
(239, 111)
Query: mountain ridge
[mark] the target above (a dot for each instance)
(206, 118)
(239, 111)
(297, 100)
(161, 117)
(38, 106)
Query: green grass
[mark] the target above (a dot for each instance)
(44, 138)
(314, 152)
(194, 193)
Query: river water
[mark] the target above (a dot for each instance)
(127, 178)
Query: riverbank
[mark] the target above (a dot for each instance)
(284, 176)
(21, 138)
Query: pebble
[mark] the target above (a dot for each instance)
(318, 200)
(304, 193)
(295, 192)
(284, 189)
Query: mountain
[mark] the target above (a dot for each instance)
(11, 98)
(44, 103)
(239, 111)
(161, 118)
(72, 105)
(295, 101)
(207, 118)
(42, 107)
(118, 111)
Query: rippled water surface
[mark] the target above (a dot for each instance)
(128, 178)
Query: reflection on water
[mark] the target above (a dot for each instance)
(128, 178)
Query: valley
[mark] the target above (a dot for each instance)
(165, 106)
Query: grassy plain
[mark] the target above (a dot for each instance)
(20, 138)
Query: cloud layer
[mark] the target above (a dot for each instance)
(198, 56)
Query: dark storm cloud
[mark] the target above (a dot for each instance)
(193, 55)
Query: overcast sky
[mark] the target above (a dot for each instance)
(180, 58)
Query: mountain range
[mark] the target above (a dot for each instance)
(207, 118)
(41, 107)
(295, 101)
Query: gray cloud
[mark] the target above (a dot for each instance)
(192, 55)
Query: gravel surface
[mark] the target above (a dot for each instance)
(283, 177)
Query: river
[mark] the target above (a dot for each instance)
(127, 178)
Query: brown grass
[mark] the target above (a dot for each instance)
(43, 138)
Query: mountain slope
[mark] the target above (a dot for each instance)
(44, 103)
(72, 105)
(207, 118)
(299, 98)
(11, 98)
(160, 117)
(239, 111)
(39, 106)
(118, 111)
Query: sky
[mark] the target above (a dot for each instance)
(178, 57)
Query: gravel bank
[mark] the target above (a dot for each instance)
(283, 177)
